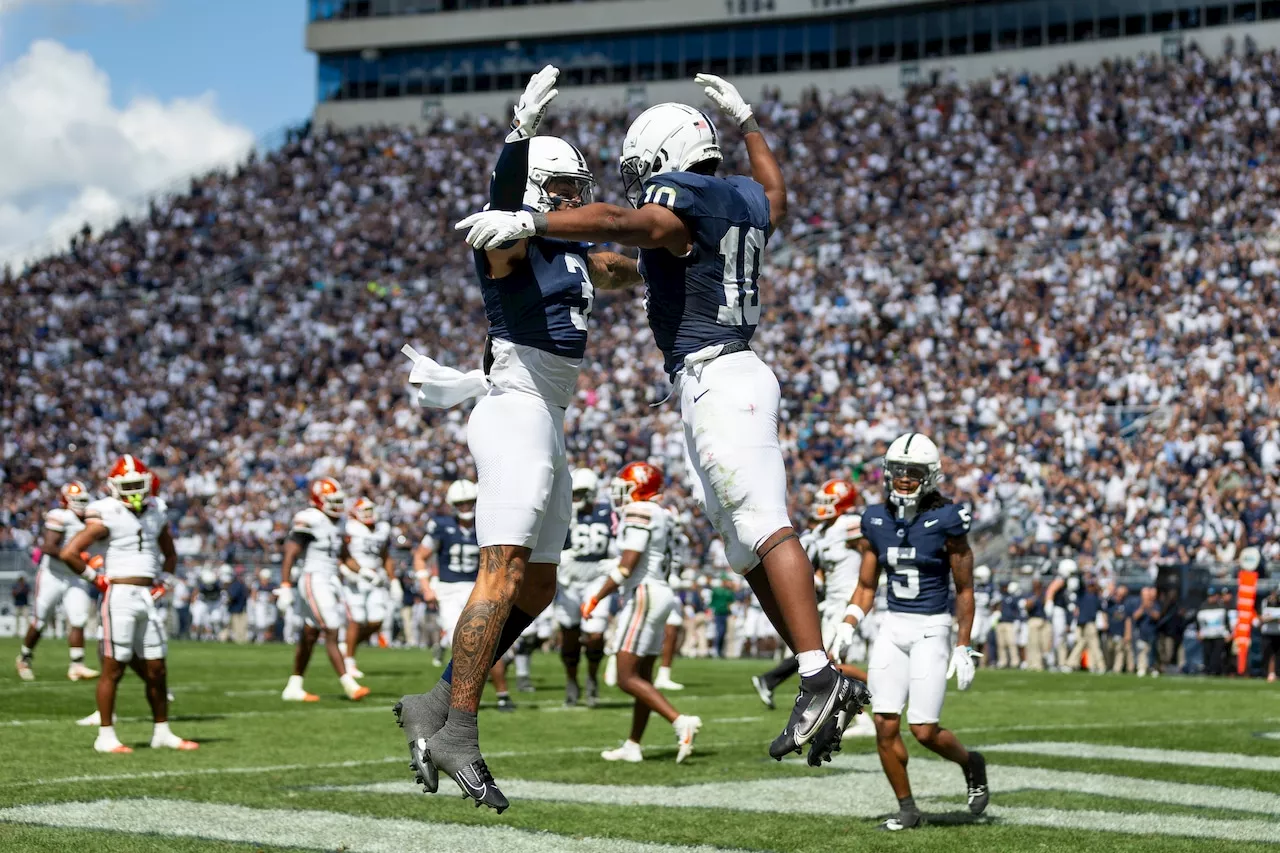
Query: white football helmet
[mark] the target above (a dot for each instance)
(666, 138)
(208, 577)
(1067, 567)
(914, 456)
(982, 574)
(551, 157)
(585, 486)
(462, 492)
(264, 575)
(1013, 588)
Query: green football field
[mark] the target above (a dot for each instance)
(1075, 762)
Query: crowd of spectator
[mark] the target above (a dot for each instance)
(1070, 281)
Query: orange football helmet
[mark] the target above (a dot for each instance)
(365, 511)
(638, 481)
(328, 497)
(130, 481)
(75, 497)
(834, 499)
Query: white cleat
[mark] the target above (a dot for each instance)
(686, 730)
(629, 751)
(291, 694)
(663, 682)
(78, 672)
(863, 726)
(95, 719)
(110, 745)
(172, 741)
(24, 670)
(611, 671)
(354, 672)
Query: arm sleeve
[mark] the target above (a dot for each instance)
(636, 528)
(506, 188)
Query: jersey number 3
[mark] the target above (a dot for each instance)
(741, 250)
(579, 314)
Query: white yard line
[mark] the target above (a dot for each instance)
(1180, 757)
(314, 830)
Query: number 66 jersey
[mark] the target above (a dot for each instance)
(913, 554)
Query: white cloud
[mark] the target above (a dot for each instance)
(70, 153)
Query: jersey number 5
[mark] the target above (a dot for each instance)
(900, 560)
(579, 314)
(741, 249)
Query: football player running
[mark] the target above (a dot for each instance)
(645, 538)
(920, 538)
(538, 294)
(582, 567)
(365, 592)
(57, 584)
(702, 241)
(140, 560)
(317, 540)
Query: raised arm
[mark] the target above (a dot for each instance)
(764, 166)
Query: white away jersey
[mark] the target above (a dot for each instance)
(133, 541)
(367, 546)
(646, 527)
(839, 562)
(66, 523)
(325, 543)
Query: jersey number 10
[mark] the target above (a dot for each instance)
(741, 250)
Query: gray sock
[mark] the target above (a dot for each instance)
(424, 714)
(458, 743)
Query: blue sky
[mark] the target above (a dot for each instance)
(249, 53)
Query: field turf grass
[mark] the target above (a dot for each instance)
(1075, 762)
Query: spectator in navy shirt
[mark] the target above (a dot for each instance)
(1012, 615)
(1039, 630)
(1120, 631)
(21, 593)
(237, 607)
(1088, 605)
(1145, 620)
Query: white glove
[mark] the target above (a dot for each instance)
(726, 96)
(284, 599)
(962, 666)
(371, 576)
(842, 642)
(493, 228)
(533, 104)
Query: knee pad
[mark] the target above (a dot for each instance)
(595, 655)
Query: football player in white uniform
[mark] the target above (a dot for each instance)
(139, 549)
(678, 554)
(920, 538)
(317, 540)
(645, 540)
(582, 566)
(365, 592)
(56, 584)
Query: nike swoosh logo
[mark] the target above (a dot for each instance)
(475, 792)
(931, 523)
(700, 396)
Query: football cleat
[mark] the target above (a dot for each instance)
(505, 704)
(629, 751)
(902, 820)
(355, 672)
(78, 671)
(174, 742)
(94, 719)
(298, 695)
(593, 692)
(863, 726)
(424, 772)
(473, 777)
(24, 669)
(764, 691)
(686, 730)
(112, 746)
(829, 738)
(975, 780)
(358, 693)
(571, 694)
(525, 684)
(663, 682)
(821, 697)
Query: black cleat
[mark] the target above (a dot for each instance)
(975, 779)
(903, 820)
(505, 704)
(593, 693)
(820, 697)
(425, 772)
(764, 691)
(476, 782)
(828, 740)
(571, 694)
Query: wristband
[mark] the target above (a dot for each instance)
(616, 575)
(540, 224)
(750, 125)
(856, 612)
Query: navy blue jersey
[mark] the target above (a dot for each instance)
(457, 554)
(544, 303)
(711, 295)
(1011, 610)
(914, 553)
(590, 533)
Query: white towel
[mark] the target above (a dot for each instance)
(440, 387)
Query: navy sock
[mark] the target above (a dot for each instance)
(516, 624)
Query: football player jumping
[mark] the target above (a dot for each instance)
(57, 584)
(645, 537)
(139, 550)
(921, 539)
(317, 540)
(702, 240)
(538, 294)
